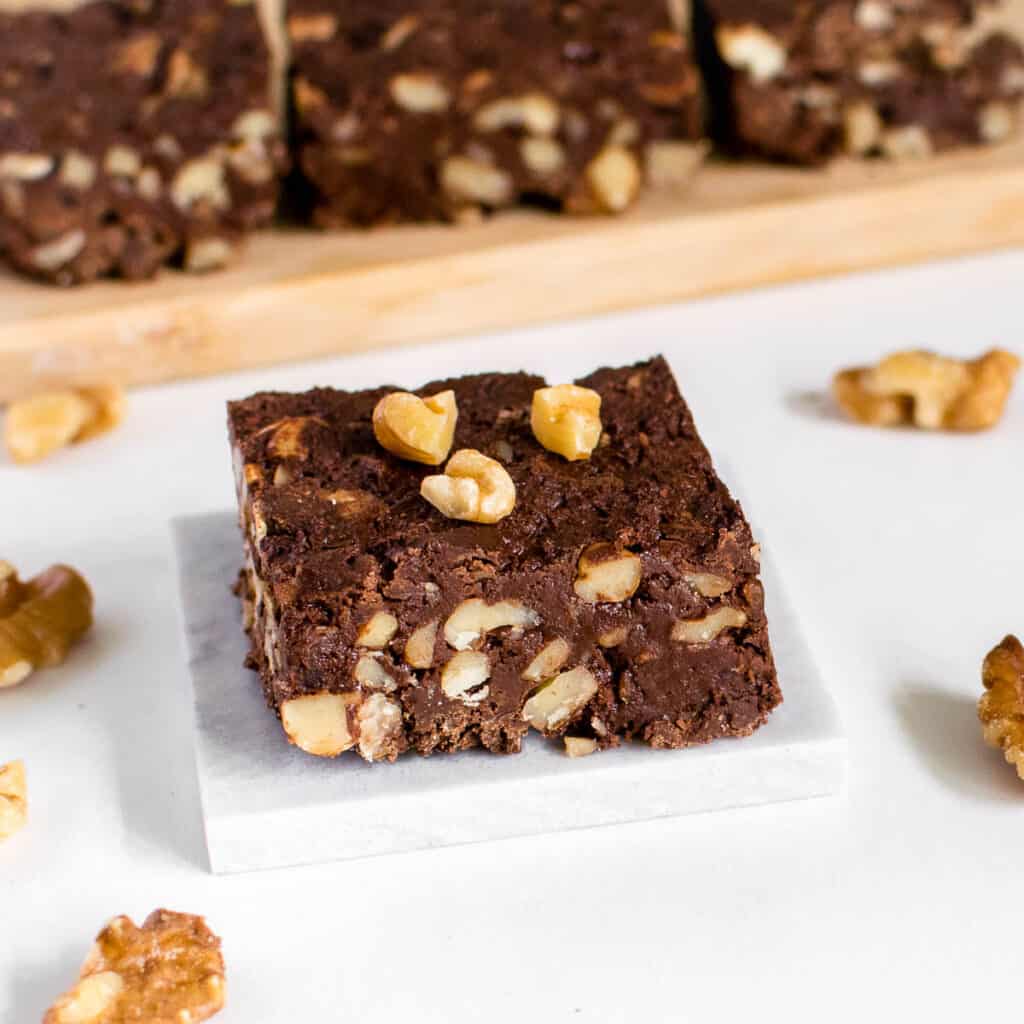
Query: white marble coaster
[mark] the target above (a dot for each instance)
(267, 804)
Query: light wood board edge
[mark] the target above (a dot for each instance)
(625, 263)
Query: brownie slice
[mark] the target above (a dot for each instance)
(134, 133)
(365, 605)
(805, 81)
(436, 109)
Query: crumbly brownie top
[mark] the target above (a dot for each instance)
(650, 483)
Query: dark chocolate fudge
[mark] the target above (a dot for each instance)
(134, 133)
(805, 81)
(444, 108)
(618, 599)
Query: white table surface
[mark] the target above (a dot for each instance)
(903, 553)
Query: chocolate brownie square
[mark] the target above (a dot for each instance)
(442, 108)
(805, 81)
(134, 133)
(614, 594)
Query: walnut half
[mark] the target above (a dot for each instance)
(473, 487)
(929, 391)
(43, 618)
(13, 798)
(38, 426)
(1001, 708)
(566, 419)
(169, 971)
(414, 428)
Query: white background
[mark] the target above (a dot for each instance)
(904, 554)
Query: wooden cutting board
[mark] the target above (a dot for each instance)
(302, 294)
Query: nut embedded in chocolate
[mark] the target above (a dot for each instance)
(13, 799)
(1001, 708)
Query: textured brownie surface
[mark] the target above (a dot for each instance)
(804, 81)
(133, 134)
(344, 534)
(419, 111)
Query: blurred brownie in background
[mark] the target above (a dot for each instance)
(133, 133)
(430, 110)
(803, 81)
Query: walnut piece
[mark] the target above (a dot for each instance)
(54, 609)
(419, 648)
(606, 573)
(169, 971)
(378, 631)
(12, 591)
(704, 630)
(473, 487)
(304, 28)
(548, 660)
(77, 170)
(553, 706)
(464, 676)
(862, 128)
(185, 79)
(13, 799)
(38, 426)
(535, 112)
(201, 181)
(318, 723)
(566, 419)
(474, 181)
(613, 637)
(399, 32)
(380, 722)
(907, 142)
(26, 166)
(414, 428)
(371, 674)
(579, 746)
(122, 162)
(542, 155)
(751, 49)
(708, 584)
(138, 56)
(474, 618)
(55, 254)
(419, 92)
(614, 177)
(1001, 708)
(208, 254)
(928, 390)
(285, 441)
